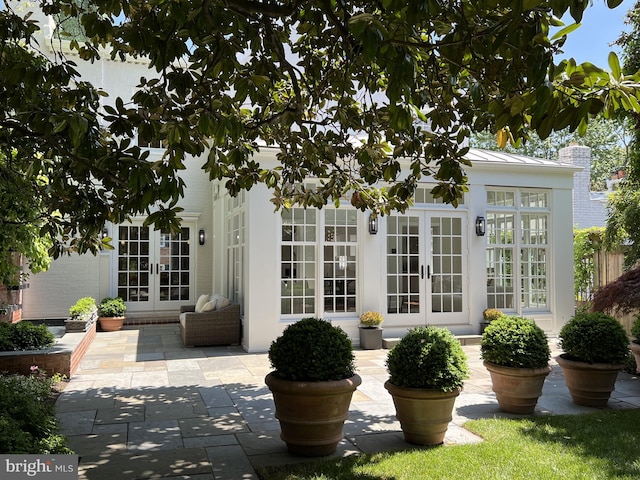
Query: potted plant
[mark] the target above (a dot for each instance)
(111, 314)
(370, 330)
(516, 352)
(312, 382)
(82, 315)
(427, 369)
(634, 345)
(488, 316)
(595, 349)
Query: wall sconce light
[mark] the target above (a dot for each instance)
(105, 232)
(201, 237)
(481, 226)
(373, 224)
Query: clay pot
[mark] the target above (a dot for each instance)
(517, 389)
(111, 324)
(312, 414)
(590, 384)
(424, 415)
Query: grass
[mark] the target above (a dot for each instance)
(603, 445)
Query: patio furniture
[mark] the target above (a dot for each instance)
(216, 327)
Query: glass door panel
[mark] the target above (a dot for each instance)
(154, 268)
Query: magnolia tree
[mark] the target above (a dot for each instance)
(347, 90)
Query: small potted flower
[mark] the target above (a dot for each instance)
(370, 330)
(427, 369)
(488, 316)
(596, 347)
(312, 382)
(516, 352)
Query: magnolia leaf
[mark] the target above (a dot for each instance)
(614, 64)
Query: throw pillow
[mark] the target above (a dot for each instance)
(223, 302)
(201, 301)
(209, 306)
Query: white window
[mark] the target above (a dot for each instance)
(304, 248)
(517, 249)
(235, 246)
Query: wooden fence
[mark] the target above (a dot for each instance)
(608, 266)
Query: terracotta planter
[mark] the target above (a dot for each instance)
(635, 349)
(111, 324)
(517, 389)
(424, 415)
(370, 338)
(590, 384)
(312, 414)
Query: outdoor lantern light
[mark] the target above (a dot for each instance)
(105, 232)
(481, 226)
(373, 224)
(201, 237)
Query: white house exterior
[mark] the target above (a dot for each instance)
(426, 266)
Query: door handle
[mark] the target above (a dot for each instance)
(428, 271)
(422, 272)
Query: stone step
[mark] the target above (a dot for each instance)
(463, 339)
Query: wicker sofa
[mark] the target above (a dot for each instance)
(217, 327)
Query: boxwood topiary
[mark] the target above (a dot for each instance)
(512, 341)
(594, 337)
(312, 350)
(430, 358)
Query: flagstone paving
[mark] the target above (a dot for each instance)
(143, 406)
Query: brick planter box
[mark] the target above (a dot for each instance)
(63, 358)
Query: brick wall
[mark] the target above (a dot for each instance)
(589, 208)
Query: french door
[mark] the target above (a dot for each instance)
(154, 269)
(427, 268)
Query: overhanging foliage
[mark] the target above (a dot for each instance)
(408, 80)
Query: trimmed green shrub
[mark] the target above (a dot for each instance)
(27, 416)
(428, 357)
(635, 327)
(112, 307)
(512, 341)
(24, 336)
(312, 350)
(594, 337)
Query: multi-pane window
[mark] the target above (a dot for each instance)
(235, 246)
(517, 249)
(403, 264)
(447, 257)
(298, 261)
(339, 260)
(312, 238)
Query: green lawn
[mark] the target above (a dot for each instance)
(599, 446)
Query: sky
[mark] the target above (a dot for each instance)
(600, 27)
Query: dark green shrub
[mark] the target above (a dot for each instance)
(635, 327)
(24, 336)
(517, 342)
(312, 350)
(82, 309)
(428, 357)
(594, 337)
(112, 307)
(27, 416)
